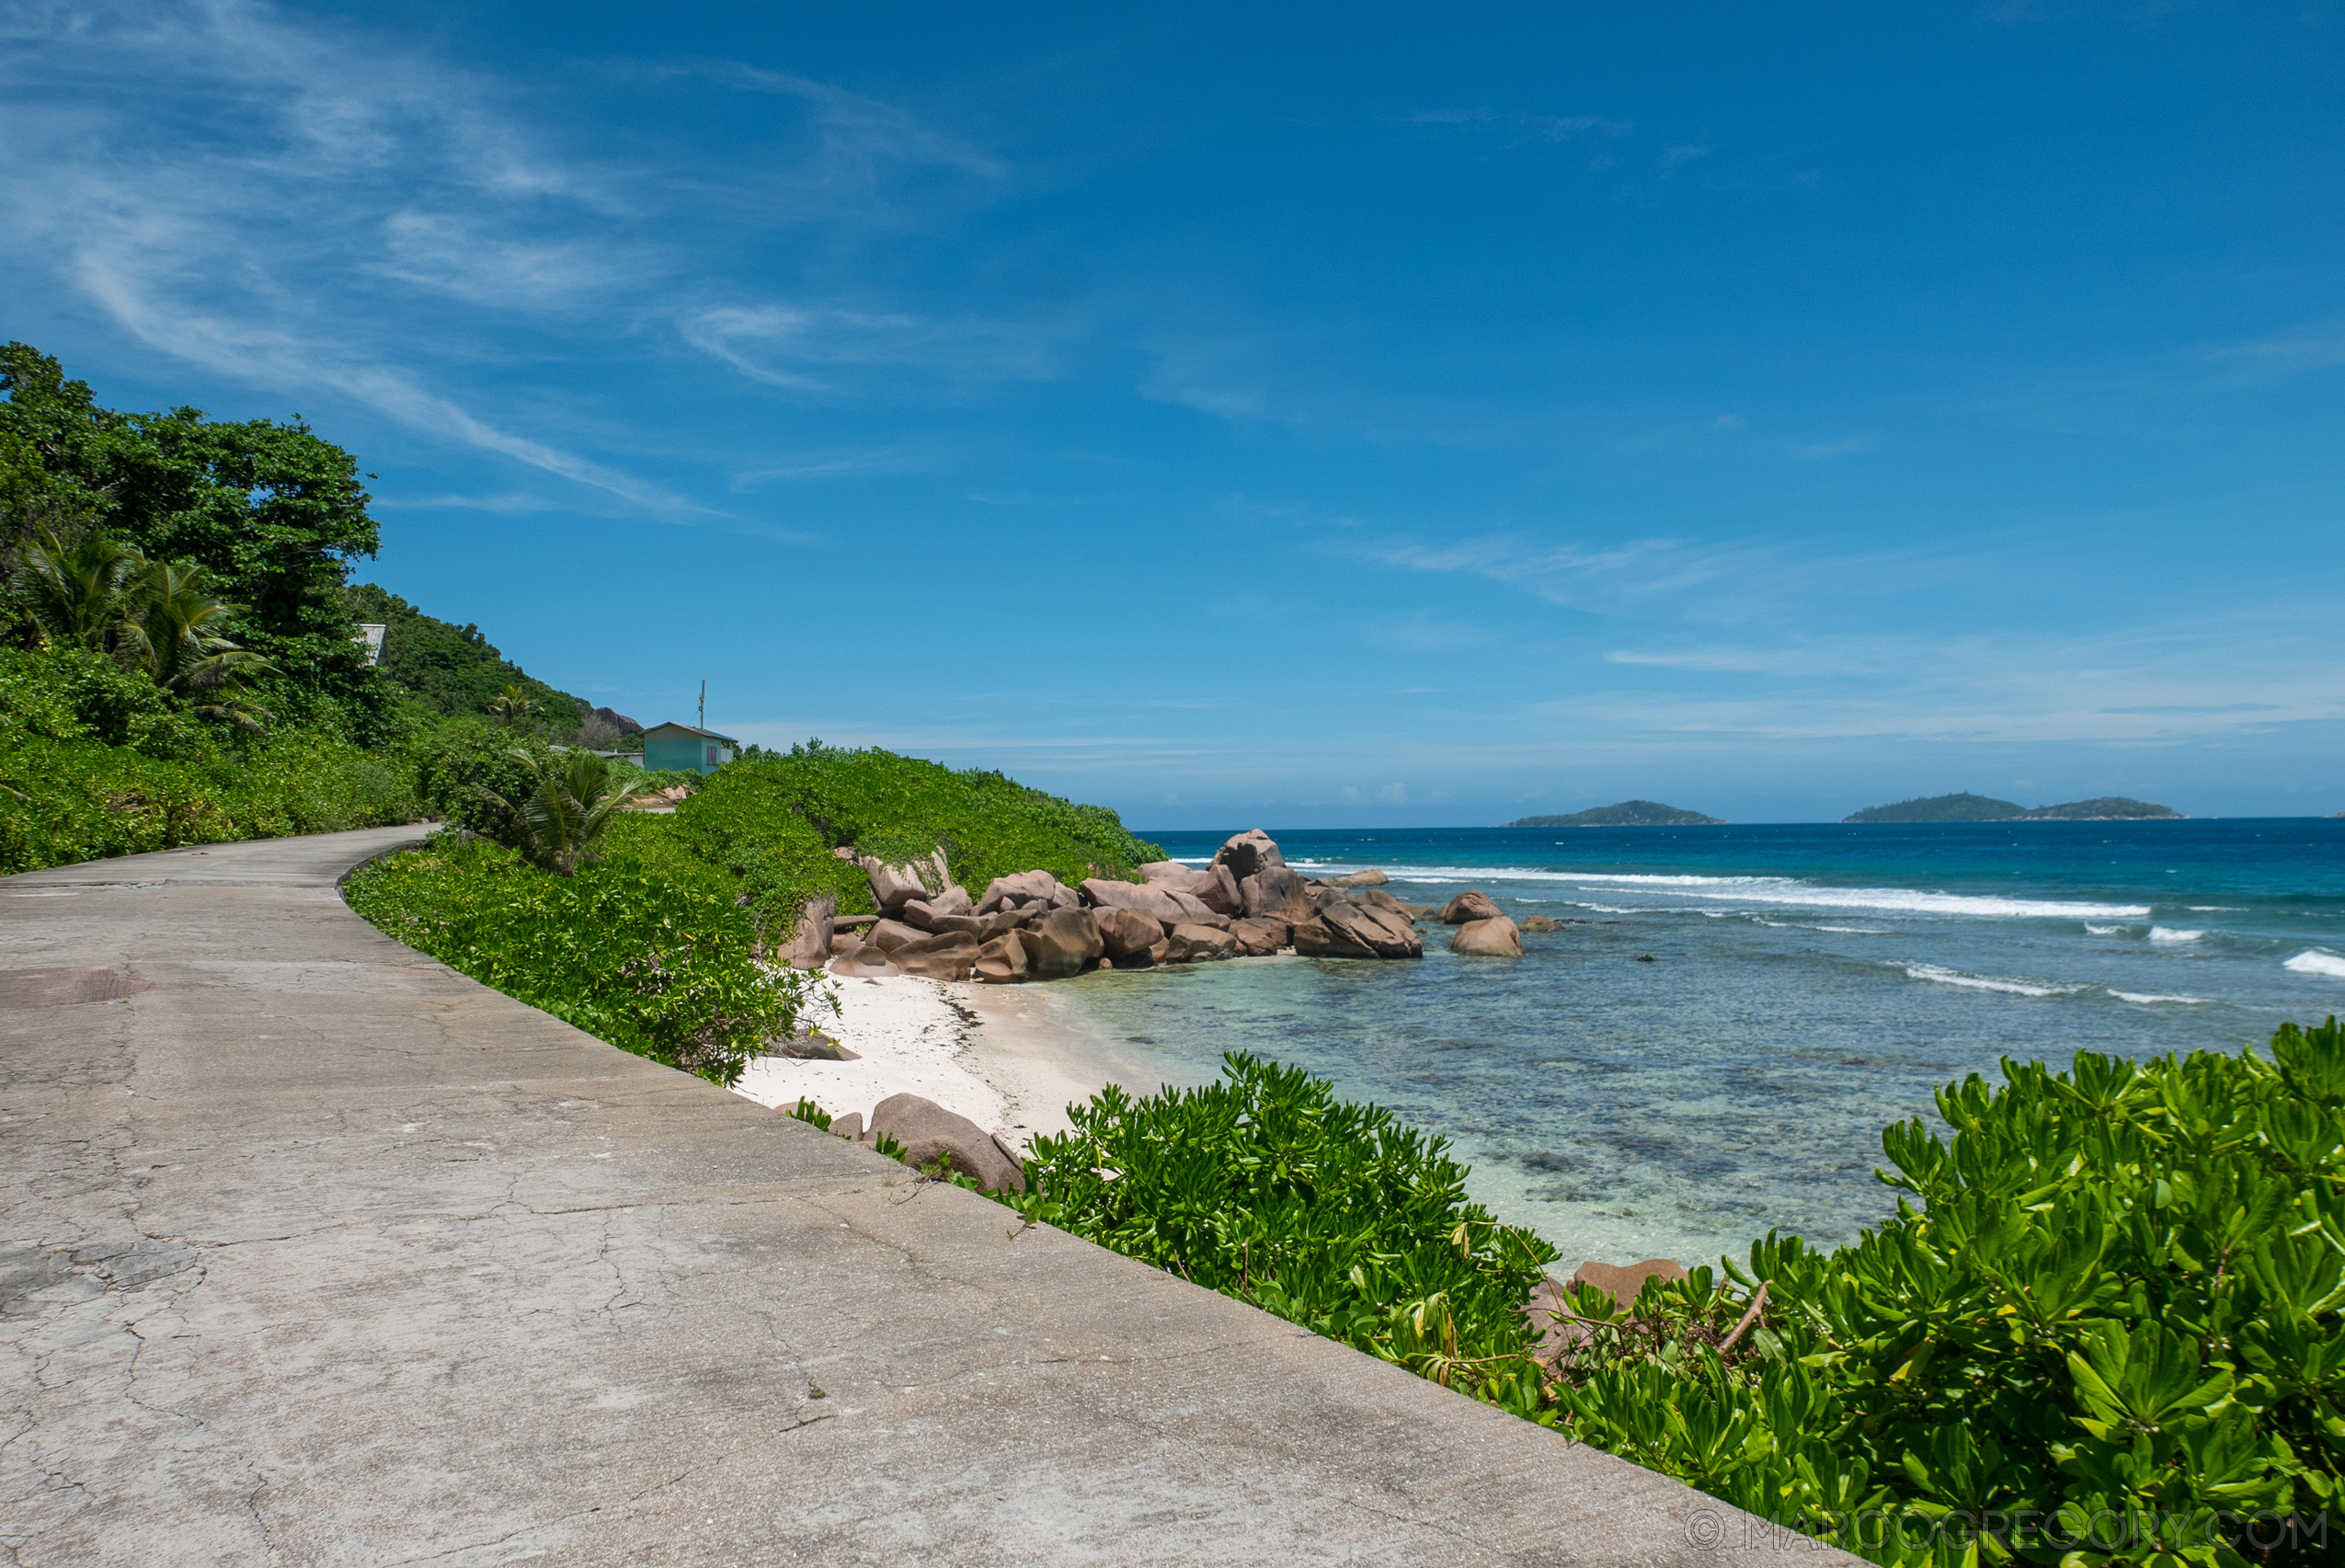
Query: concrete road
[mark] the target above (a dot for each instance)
(318, 1252)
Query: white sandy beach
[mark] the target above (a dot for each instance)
(1008, 1058)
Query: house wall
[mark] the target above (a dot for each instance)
(683, 752)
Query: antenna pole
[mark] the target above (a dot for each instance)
(703, 705)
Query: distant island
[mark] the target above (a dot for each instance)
(1628, 814)
(1968, 808)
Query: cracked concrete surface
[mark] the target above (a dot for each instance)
(318, 1252)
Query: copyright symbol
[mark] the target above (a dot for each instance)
(1704, 1529)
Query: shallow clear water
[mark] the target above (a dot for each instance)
(1808, 985)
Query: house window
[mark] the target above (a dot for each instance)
(711, 756)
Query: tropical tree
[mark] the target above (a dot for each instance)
(559, 823)
(512, 704)
(76, 592)
(171, 632)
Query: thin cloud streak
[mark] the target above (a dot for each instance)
(288, 204)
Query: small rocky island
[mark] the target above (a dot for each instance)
(1969, 807)
(1626, 814)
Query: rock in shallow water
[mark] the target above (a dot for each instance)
(1472, 905)
(1497, 938)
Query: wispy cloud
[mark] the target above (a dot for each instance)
(805, 348)
(2158, 683)
(316, 209)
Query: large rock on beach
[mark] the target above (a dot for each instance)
(1277, 893)
(1369, 878)
(1195, 943)
(1622, 1282)
(926, 913)
(811, 949)
(1218, 891)
(1247, 853)
(1129, 932)
(1002, 961)
(858, 958)
(1174, 874)
(1155, 900)
(1470, 905)
(1496, 938)
(888, 935)
(1063, 942)
(947, 957)
(1019, 889)
(894, 885)
(929, 1132)
(1259, 938)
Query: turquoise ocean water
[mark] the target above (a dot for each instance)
(1808, 984)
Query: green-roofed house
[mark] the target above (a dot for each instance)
(679, 746)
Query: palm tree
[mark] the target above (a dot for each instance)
(172, 633)
(559, 824)
(512, 704)
(77, 590)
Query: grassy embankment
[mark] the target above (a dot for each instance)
(662, 943)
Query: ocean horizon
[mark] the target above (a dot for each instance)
(1808, 983)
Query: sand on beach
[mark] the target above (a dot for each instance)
(1008, 1058)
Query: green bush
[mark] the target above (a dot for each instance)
(660, 968)
(2104, 1320)
(96, 761)
(1329, 1213)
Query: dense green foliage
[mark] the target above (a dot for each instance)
(447, 669)
(97, 761)
(666, 968)
(798, 805)
(1626, 814)
(559, 821)
(2109, 1310)
(1329, 1213)
(1985, 809)
(271, 511)
(2104, 1327)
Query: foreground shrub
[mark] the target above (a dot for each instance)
(2104, 1322)
(2103, 1328)
(1329, 1213)
(654, 965)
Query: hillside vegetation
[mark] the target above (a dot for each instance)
(446, 668)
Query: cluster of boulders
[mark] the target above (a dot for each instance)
(1030, 926)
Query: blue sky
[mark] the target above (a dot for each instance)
(1304, 416)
